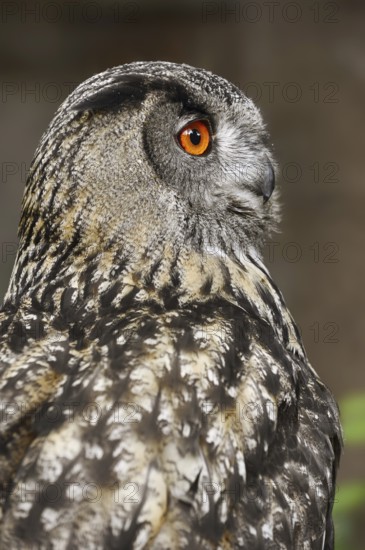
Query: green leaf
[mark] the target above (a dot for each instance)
(353, 419)
(349, 497)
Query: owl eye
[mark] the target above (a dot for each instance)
(195, 137)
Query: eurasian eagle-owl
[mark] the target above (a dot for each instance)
(155, 392)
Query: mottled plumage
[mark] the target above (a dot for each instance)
(154, 390)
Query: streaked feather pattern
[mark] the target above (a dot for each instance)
(155, 393)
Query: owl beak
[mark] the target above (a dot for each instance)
(268, 182)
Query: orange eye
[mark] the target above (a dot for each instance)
(195, 137)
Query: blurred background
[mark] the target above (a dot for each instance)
(303, 63)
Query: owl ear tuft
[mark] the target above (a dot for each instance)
(128, 88)
(133, 88)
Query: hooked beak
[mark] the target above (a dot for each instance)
(268, 182)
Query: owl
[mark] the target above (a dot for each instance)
(155, 393)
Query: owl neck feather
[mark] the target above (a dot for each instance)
(108, 284)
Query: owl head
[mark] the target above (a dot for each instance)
(146, 155)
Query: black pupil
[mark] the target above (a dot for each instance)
(195, 136)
